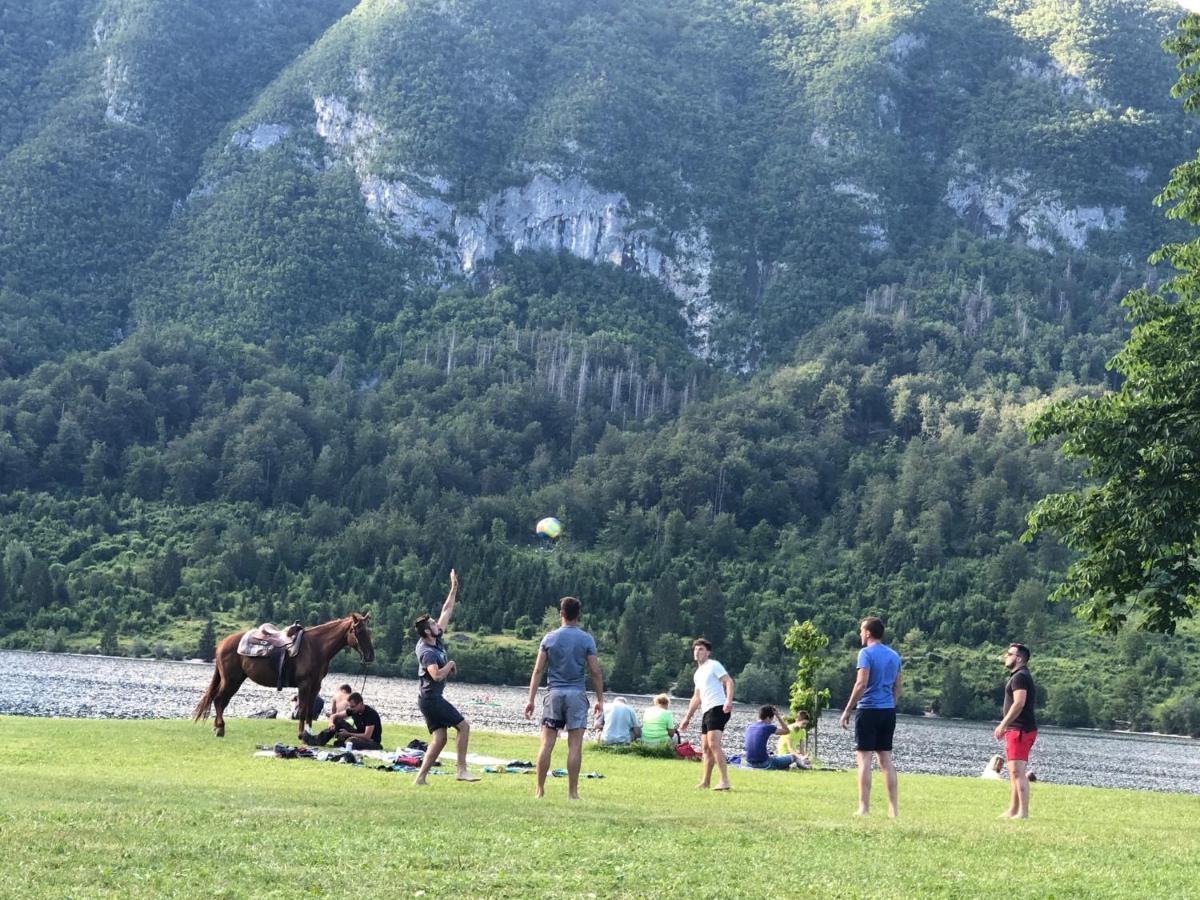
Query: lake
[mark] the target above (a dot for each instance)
(71, 686)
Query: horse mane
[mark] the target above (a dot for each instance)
(333, 624)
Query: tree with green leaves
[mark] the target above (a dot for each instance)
(207, 646)
(1134, 524)
(807, 642)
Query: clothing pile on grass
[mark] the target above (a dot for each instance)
(404, 759)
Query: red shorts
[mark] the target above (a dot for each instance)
(1017, 744)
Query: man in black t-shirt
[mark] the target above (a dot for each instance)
(359, 729)
(1018, 728)
(434, 666)
(363, 729)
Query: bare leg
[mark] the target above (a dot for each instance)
(1019, 790)
(437, 741)
(718, 752)
(893, 788)
(464, 735)
(549, 736)
(574, 761)
(864, 782)
(706, 753)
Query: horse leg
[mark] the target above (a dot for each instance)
(230, 682)
(304, 692)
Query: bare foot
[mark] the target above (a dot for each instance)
(466, 776)
(420, 782)
(1006, 815)
(538, 794)
(723, 786)
(862, 812)
(702, 786)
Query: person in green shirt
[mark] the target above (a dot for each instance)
(795, 741)
(658, 725)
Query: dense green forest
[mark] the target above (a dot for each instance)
(230, 391)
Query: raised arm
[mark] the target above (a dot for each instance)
(538, 668)
(783, 726)
(448, 606)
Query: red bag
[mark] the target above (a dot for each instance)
(686, 751)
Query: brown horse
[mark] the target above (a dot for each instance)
(320, 644)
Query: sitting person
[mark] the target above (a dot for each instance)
(620, 723)
(658, 725)
(359, 729)
(318, 704)
(795, 741)
(992, 770)
(757, 736)
(339, 705)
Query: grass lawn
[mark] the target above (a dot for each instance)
(161, 808)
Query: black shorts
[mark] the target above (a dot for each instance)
(439, 713)
(714, 719)
(873, 729)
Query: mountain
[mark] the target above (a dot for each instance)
(765, 163)
(301, 304)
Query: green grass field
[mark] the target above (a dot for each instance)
(161, 808)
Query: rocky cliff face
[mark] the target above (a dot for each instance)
(552, 211)
(1002, 206)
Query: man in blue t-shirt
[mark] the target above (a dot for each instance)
(565, 655)
(876, 690)
(757, 736)
(620, 723)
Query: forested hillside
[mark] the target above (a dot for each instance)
(302, 305)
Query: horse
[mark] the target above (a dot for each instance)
(321, 643)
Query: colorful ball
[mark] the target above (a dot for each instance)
(549, 527)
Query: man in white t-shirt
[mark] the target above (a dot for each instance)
(714, 697)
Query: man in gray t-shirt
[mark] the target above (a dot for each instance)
(565, 655)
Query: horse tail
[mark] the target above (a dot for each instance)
(201, 710)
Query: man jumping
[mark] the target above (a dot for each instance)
(433, 668)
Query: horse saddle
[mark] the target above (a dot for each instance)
(267, 639)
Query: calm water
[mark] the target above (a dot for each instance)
(42, 684)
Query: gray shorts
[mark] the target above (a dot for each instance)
(565, 709)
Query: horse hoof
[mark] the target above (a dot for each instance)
(218, 732)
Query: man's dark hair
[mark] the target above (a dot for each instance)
(569, 607)
(355, 698)
(874, 626)
(1022, 651)
(766, 712)
(703, 642)
(421, 624)
(346, 688)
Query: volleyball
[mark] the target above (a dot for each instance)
(549, 527)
